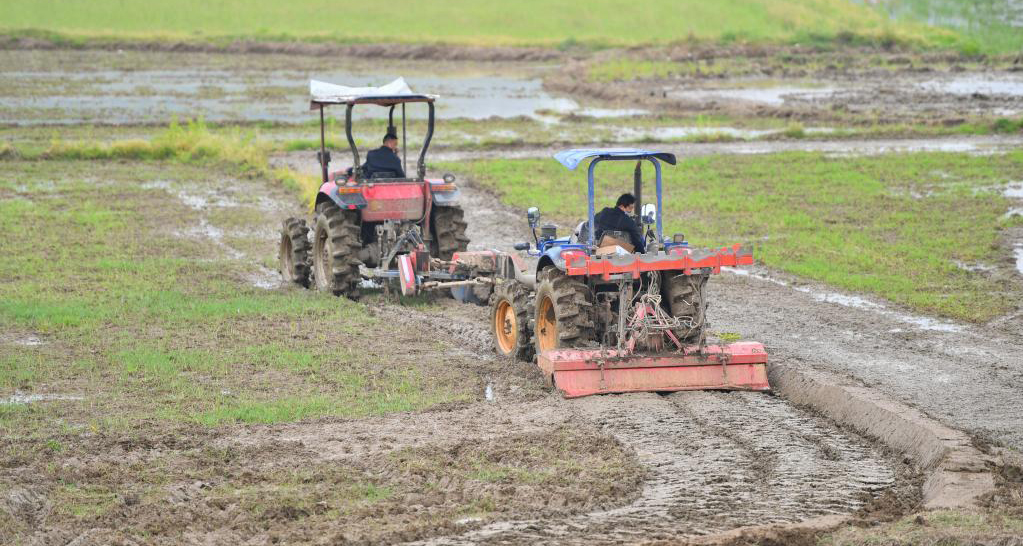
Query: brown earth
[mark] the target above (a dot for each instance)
(861, 85)
(316, 49)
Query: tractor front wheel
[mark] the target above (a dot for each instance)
(564, 312)
(335, 250)
(510, 308)
(293, 253)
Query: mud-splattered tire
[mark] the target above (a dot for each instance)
(448, 226)
(563, 314)
(511, 308)
(685, 295)
(293, 253)
(335, 250)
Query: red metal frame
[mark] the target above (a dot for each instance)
(582, 372)
(679, 258)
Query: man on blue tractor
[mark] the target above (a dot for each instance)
(619, 219)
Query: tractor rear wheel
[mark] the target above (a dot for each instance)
(564, 312)
(293, 253)
(335, 250)
(448, 225)
(511, 306)
(686, 300)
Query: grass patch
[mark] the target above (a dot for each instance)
(566, 23)
(356, 396)
(147, 320)
(85, 501)
(893, 225)
(939, 527)
(985, 25)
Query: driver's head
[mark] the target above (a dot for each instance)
(391, 141)
(627, 202)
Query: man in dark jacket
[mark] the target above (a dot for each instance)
(619, 219)
(384, 159)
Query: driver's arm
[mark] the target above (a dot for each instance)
(636, 234)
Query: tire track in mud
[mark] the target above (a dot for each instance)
(716, 461)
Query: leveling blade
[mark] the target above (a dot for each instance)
(582, 372)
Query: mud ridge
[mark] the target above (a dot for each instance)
(958, 474)
(316, 49)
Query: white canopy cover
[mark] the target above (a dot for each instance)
(324, 92)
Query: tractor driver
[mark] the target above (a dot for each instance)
(384, 160)
(619, 219)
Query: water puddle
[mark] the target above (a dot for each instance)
(923, 323)
(669, 133)
(975, 267)
(253, 94)
(265, 278)
(23, 341)
(610, 112)
(22, 398)
(1018, 251)
(1014, 190)
(976, 84)
(771, 95)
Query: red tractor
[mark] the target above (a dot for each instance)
(375, 225)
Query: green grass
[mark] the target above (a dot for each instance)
(985, 24)
(529, 22)
(931, 528)
(892, 225)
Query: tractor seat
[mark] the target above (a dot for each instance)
(611, 239)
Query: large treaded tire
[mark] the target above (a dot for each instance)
(511, 309)
(335, 250)
(570, 312)
(448, 226)
(293, 253)
(685, 294)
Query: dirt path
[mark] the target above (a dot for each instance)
(966, 376)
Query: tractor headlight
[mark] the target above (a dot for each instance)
(449, 178)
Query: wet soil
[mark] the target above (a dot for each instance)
(966, 376)
(435, 52)
(717, 461)
(847, 85)
(980, 145)
(139, 87)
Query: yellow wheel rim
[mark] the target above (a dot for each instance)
(547, 326)
(506, 328)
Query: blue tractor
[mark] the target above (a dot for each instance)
(601, 317)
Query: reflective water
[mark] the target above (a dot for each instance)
(139, 96)
(770, 95)
(984, 84)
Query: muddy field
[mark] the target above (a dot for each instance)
(487, 454)
(825, 91)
